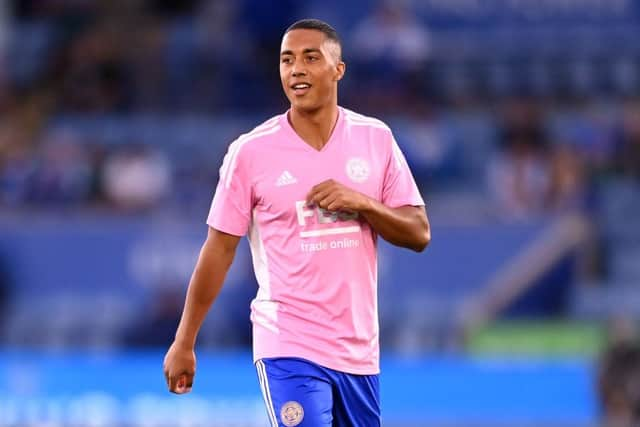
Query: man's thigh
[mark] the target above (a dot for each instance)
(296, 392)
(356, 400)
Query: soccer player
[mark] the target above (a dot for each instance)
(313, 188)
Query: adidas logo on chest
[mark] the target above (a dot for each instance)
(286, 178)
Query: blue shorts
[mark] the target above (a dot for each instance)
(298, 392)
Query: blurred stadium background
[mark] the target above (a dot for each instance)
(521, 121)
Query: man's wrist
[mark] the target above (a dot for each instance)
(366, 205)
(184, 342)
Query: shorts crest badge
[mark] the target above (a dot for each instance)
(291, 414)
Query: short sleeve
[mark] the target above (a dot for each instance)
(233, 200)
(399, 188)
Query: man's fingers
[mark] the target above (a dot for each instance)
(180, 383)
(324, 187)
(185, 383)
(316, 197)
(323, 184)
(326, 202)
(329, 195)
(186, 380)
(188, 385)
(172, 382)
(334, 206)
(319, 189)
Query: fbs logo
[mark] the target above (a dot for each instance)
(323, 216)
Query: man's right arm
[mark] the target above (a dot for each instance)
(214, 261)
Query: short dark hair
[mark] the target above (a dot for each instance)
(318, 25)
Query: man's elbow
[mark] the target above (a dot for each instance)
(422, 240)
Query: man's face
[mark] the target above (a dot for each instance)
(310, 68)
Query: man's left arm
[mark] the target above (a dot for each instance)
(406, 226)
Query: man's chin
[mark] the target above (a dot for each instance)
(305, 107)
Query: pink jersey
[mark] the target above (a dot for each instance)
(316, 270)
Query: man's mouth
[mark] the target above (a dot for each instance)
(300, 88)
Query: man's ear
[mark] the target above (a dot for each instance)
(341, 67)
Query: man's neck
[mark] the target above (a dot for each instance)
(314, 127)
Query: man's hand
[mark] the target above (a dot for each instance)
(406, 226)
(179, 368)
(333, 196)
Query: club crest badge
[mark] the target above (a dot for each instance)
(357, 169)
(291, 414)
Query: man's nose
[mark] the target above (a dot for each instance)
(298, 71)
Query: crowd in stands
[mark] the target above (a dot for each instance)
(164, 58)
(167, 58)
